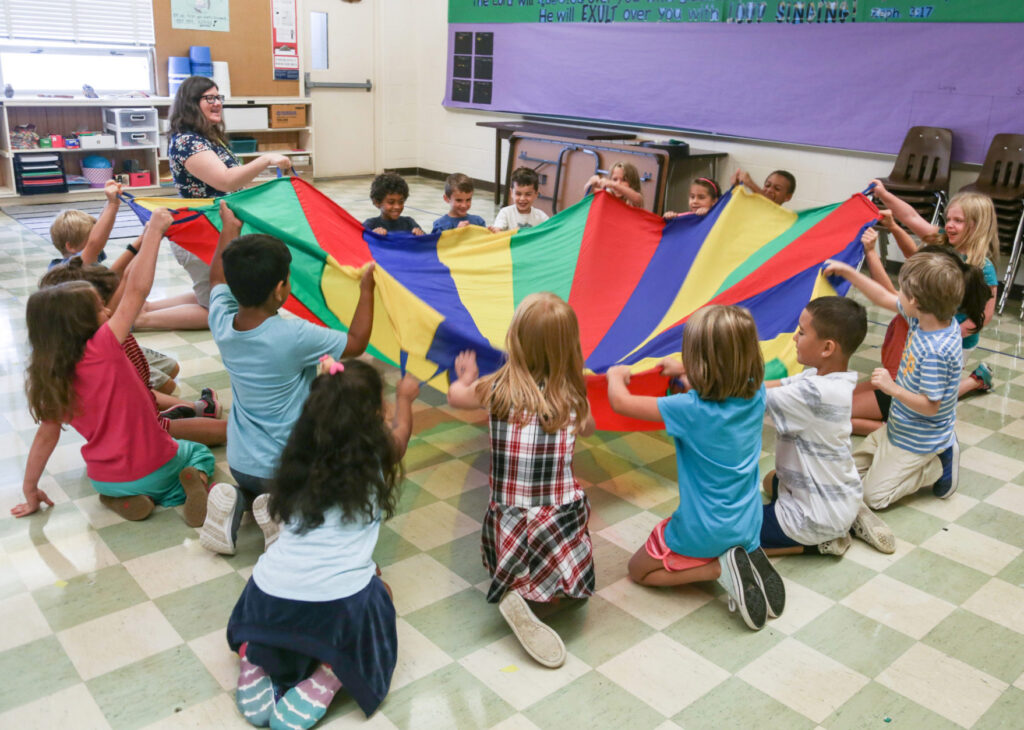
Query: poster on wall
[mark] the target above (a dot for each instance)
(285, 40)
(200, 15)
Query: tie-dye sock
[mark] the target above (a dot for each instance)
(304, 704)
(255, 694)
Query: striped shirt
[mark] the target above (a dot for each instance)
(930, 365)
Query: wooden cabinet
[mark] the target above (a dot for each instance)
(67, 116)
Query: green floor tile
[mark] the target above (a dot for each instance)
(666, 467)
(1001, 443)
(720, 636)
(913, 525)
(412, 496)
(735, 704)
(854, 640)
(391, 547)
(460, 624)
(89, 596)
(1014, 572)
(449, 698)
(202, 608)
(835, 578)
(472, 502)
(34, 670)
(876, 706)
(610, 561)
(595, 630)
(642, 448)
(60, 521)
(420, 454)
(594, 702)
(607, 508)
(992, 648)
(976, 485)
(992, 420)
(153, 688)
(1005, 713)
(939, 576)
(599, 465)
(163, 529)
(249, 545)
(462, 557)
(75, 483)
(998, 523)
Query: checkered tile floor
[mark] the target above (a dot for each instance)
(116, 624)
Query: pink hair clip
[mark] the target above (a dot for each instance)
(330, 366)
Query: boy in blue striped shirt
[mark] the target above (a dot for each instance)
(917, 447)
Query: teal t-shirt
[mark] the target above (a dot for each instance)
(271, 369)
(718, 444)
(992, 279)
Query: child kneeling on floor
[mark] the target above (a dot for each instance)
(315, 617)
(535, 542)
(78, 374)
(815, 489)
(716, 426)
(917, 447)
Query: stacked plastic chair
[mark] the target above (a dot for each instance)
(1002, 179)
(920, 175)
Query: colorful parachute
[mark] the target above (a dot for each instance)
(632, 278)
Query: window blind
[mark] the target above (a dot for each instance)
(106, 22)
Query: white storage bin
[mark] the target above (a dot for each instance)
(130, 138)
(115, 119)
(245, 117)
(97, 141)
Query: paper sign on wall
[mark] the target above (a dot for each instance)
(285, 40)
(200, 15)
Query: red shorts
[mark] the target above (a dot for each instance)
(673, 562)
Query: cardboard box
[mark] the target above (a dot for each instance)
(285, 116)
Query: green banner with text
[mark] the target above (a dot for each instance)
(734, 11)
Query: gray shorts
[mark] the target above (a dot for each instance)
(198, 271)
(160, 367)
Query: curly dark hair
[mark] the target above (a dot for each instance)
(186, 116)
(340, 453)
(387, 183)
(103, 279)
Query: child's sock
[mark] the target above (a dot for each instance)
(304, 704)
(255, 694)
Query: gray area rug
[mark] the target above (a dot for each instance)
(38, 218)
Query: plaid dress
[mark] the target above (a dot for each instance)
(535, 540)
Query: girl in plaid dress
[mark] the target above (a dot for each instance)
(535, 541)
(716, 423)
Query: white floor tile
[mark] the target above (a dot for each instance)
(898, 606)
(419, 581)
(803, 679)
(71, 707)
(944, 685)
(436, 524)
(1000, 602)
(181, 566)
(663, 673)
(972, 549)
(656, 607)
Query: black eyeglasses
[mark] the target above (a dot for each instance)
(213, 98)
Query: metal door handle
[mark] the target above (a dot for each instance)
(368, 85)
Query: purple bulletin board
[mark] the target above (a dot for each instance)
(856, 86)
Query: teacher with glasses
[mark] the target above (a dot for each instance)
(203, 166)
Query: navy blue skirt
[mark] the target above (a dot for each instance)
(356, 636)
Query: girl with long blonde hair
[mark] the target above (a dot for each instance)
(535, 541)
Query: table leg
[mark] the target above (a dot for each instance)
(497, 167)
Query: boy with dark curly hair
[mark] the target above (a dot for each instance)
(388, 192)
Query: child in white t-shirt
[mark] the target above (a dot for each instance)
(525, 188)
(815, 489)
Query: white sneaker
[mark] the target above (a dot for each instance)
(745, 593)
(838, 546)
(872, 529)
(261, 513)
(540, 640)
(224, 508)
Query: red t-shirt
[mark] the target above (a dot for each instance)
(114, 413)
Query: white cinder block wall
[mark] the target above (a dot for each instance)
(417, 131)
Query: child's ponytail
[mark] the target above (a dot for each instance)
(977, 292)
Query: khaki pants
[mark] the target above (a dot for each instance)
(890, 473)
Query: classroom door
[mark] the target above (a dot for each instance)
(343, 119)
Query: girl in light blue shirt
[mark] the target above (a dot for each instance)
(315, 616)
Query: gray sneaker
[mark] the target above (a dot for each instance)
(224, 508)
(837, 546)
(770, 581)
(872, 529)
